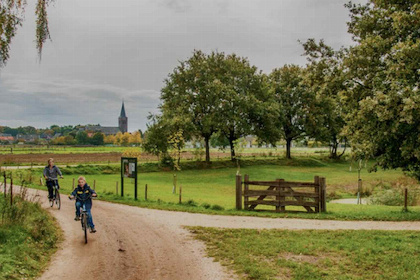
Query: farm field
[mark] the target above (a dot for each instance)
(34, 155)
(314, 254)
(204, 188)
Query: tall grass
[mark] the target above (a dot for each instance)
(28, 236)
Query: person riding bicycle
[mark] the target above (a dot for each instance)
(50, 174)
(84, 194)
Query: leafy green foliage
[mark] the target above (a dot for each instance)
(217, 93)
(383, 95)
(296, 104)
(324, 76)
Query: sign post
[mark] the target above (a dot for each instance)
(129, 170)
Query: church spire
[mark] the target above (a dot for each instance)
(123, 120)
(122, 114)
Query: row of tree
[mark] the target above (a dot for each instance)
(98, 138)
(367, 94)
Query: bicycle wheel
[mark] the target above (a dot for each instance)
(58, 199)
(85, 226)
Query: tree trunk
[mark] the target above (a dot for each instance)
(288, 146)
(232, 149)
(334, 147)
(207, 140)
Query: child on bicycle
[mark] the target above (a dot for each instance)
(50, 174)
(84, 194)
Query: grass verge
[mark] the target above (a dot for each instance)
(314, 254)
(28, 238)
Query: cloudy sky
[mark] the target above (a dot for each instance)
(104, 51)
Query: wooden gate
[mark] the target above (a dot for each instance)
(281, 193)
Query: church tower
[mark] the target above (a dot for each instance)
(122, 120)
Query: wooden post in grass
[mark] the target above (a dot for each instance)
(318, 190)
(246, 188)
(116, 188)
(94, 184)
(174, 184)
(323, 194)
(145, 192)
(180, 194)
(11, 190)
(73, 183)
(238, 192)
(405, 199)
(5, 182)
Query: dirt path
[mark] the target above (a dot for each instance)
(139, 243)
(127, 245)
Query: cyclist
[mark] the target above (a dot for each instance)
(50, 173)
(83, 194)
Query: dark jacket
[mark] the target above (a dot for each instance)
(83, 195)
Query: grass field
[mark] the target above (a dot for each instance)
(215, 188)
(314, 254)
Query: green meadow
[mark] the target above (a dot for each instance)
(210, 189)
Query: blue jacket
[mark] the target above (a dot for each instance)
(82, 194)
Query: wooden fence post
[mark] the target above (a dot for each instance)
(11, 190)
(145, 192)
(5, 184)
(174, 184)
(318, 190)
(94, 184)
(73, 183)
(246, 188)
(323, 194)
(405, 199)
(180, 194)
(238, 192)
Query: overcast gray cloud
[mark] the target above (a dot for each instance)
(104, 51)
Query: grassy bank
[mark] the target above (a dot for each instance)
(28, 238)
(310, 254)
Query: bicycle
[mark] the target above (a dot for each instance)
(56, 194)
(84, 216)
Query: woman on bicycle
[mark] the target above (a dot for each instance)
(84, 194)
(50, 174)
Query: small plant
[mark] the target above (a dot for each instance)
(191, 202)
(205, 205)
(217, 207)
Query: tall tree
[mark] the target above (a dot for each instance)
(384, 83)
(191, 92)
(245, 103)
(325, 77)
(295, 102)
